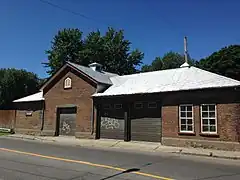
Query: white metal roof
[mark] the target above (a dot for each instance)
(102, 77)
(184, 78)
(34, 97)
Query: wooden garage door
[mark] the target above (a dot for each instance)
(146, 121)
(67, 117)
(112, 123)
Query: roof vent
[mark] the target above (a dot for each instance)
(95, 66)
(185, 65)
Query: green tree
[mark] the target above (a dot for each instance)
(170, 60)
(15, 84)
(157, 64)
(111, 50)
(65, 47)
(225, 62)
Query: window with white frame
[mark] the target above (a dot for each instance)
(68, 83)
(152, 105)
(208, 118)
(138, 105)
(118, 106)
(186, 118)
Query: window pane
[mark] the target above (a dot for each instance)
(189, 114)
(211, 107)
(204, 114)
(183, 128)
(138, 105)
(212, 121)
(205, 129)
(183, 121)
(189, 121)
(183, 108)
(212, 128)
(152, 105)
(189, 108)
(183, 114)
(118, 106)
(204, 108)
(212, 114)
(189, 128)
(205, 121)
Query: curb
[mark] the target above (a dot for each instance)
(124, 145)
(205, 155)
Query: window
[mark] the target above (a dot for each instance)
(28, 113)
(208, 118)
(186, 118)
(138, 105)
(67, 83)
(106, 106)
(118, 106)
(152, 105)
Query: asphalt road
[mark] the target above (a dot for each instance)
(26, 160)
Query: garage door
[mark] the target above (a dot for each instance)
(146, 121)
(112, 123)
(67, 117)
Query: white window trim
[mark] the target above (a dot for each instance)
(66, 85)
(216, 132)
(152, 103)
(28, 113)
(115, 106)
(138, 103)
(179, 119)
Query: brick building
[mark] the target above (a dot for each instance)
(185, 106)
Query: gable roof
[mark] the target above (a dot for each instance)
(34, 97)
(101, 77)
(184, 78)
(98, 77)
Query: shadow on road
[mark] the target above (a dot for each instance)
(123, 172)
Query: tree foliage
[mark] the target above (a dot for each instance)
(170, 60)
(111, 50)
(225, 62)
(15, 84)
(65, 47)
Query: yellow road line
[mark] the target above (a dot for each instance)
(85, 163)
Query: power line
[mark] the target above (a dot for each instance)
(164, 19)
(70, 11)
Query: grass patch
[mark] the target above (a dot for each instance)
(4, 133)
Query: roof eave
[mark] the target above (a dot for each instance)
(53, 76)
(140, 93)
(16, 101)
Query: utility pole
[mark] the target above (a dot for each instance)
(185, 50)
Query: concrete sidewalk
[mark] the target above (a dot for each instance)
(132, 145)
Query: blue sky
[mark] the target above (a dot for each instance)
(153, 26)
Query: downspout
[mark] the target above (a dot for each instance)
(92, 118)
(100, 88)
(43, 110)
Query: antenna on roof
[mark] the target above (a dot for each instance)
(185, 64)
(185, 50)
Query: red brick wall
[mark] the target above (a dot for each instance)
(29, 124)
(228, 114)
(79, 95)
(7, 118)
(227, 117)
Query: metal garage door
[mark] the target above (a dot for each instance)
(67, 118)
(146, 121)
(112, 123)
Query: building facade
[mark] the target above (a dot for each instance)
(180, 107)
